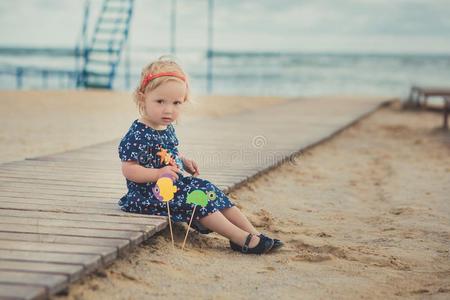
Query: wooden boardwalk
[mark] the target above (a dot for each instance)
(59, 216)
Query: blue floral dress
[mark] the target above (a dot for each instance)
(153, 148)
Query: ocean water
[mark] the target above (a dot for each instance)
(292, 74)
(268, 74)
(283, 57)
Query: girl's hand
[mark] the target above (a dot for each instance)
(191, 166)
(171, 170)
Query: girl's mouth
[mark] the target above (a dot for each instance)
(167, 119)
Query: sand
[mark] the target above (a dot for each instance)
(364, 214)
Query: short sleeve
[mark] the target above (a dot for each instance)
(131, 146)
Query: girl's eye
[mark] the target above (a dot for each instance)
(160, 101)
(177, 102)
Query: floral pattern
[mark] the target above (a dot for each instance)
(153, 148)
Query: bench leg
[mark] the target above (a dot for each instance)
(410, 100)
(446, 111)
(419, 97)
(415, 98)
(425, 98)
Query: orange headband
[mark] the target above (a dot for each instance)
(150, 77)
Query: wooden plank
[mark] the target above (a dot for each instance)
(129, 218)
(40, 169)
(27, 177)
(134, 237)
(123, 245)
(61, 184)
(51, 282)
(73, 272)
(93, 162)
(67, 209)
(58, 208)
(80, 166)
(83, 166)
(76, 170)
(57, 199)
(53, 191)
(89, 262)
(77, 191)
(119, 187)
(63, 209)
(106, 192)
(43, 192)
(108, 254)
(79, 223)
(22, 292)
(61, 203)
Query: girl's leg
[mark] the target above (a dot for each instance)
(218, 223)
(235, 216)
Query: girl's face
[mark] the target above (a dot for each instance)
(162, 105)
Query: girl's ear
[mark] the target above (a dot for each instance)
(141, 97)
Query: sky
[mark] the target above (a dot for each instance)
(376, 26)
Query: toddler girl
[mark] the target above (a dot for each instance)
(149, 150)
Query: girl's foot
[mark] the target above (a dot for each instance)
(254, 245)
(276, 242)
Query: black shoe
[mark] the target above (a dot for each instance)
(264, 245)
(276, 242)
(197, 226)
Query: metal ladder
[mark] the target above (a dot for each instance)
(102, 56)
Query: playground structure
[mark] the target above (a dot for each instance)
(102, 56)
(97, 58)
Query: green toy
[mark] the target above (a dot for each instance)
(198, 197)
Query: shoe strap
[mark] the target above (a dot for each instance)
(247, 242)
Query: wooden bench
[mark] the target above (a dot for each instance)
(418, 97)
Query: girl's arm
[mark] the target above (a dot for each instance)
(139, 174)
(181, 155)
(190, 165)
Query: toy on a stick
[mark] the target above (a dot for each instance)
(164, 190)
(198, 197)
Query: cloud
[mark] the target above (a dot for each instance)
(264, 24)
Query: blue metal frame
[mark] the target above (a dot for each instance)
(114, 41)
(44, 74)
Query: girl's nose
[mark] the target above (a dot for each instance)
(168, 109)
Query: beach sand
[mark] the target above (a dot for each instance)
(364, 214)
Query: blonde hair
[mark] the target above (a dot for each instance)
(165, 63)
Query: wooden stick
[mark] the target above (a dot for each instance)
(170, 225)
(187, 232)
